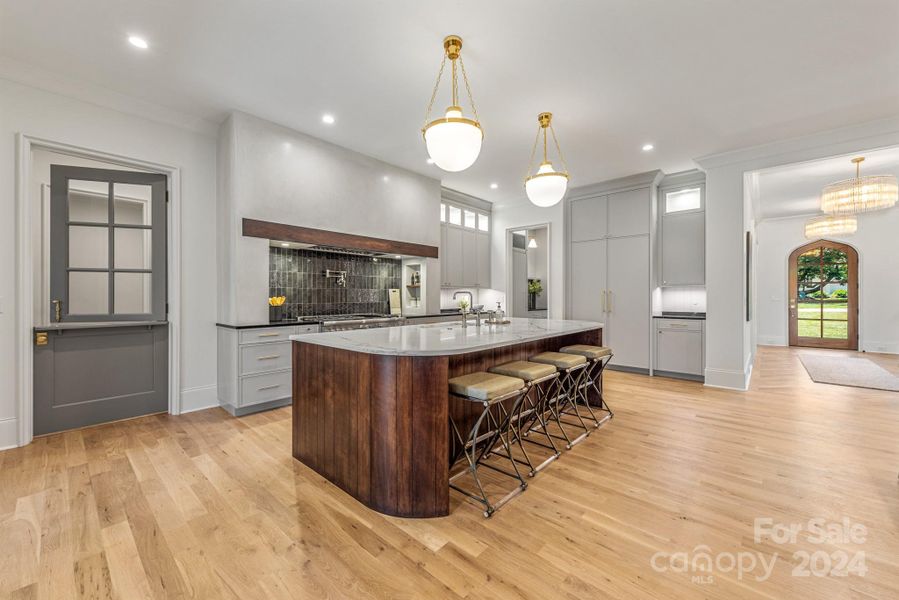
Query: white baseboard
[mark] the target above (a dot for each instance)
(199, 398)
(884, 347)
(9, 433)
(772, 340)
(728, 379)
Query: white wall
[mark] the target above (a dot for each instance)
(878, 252)
(523, 215)
(273, 173)
(729, 344)
(28, 110)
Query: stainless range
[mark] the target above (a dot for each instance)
(348, 322)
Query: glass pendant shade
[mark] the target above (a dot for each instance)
(547, 187)
(860, 194)
(453, 142)
(830, 225)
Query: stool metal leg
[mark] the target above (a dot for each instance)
(530, 410)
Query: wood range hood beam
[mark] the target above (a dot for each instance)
(320, 237)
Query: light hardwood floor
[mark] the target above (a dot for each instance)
(208, 506)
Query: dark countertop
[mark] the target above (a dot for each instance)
(679, 315)
(269, 324)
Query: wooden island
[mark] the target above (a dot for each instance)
(371, 407)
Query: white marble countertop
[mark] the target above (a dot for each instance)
(440, 339)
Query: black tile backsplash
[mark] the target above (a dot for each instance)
(298, 275)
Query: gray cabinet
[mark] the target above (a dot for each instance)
(629, 213)
(627, 301)
(254, 367)
(588, 280)
(589, 218)
(680, 346)
(464, 257)
(483, 250)
(683, 249)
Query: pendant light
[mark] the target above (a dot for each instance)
(860, 194)
(453, 141)
(830, 225)
(533, 243)
(547, 186)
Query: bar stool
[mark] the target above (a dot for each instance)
(572, 368)
(488, 390)
(532, 407)
(597, 357)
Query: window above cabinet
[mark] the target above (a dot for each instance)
(683, 199)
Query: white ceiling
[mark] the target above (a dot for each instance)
(693, 77)
(796, 189)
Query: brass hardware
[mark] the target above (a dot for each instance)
(603, 301)
(57, 310)
(272, 334)
(610, 300)
(545, 121)
(268, 387)
(269, 357)
(545, 118)
(453, 45)
(40, 338)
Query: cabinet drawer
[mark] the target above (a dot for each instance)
(266, 334)
(679, 351)
(678, 325)
(307, 329)
(256, 389)
(264, 358)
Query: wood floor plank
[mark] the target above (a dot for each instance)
(208, 506)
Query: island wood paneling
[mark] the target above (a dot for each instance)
(321, 237)
(378, 426)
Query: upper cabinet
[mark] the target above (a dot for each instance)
(464, 241)
(629, 212)
(589, 218)
(682, 231)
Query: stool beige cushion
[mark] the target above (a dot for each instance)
(529, 371)
(559, 360)
(484, 386)
(587, 351)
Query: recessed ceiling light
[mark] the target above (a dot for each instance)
(328, 119)
(386, 178)
(647, 147)
(493, 186)
(138, 42)
(430, 161)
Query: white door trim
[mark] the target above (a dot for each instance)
(25, 144)
(550, 277)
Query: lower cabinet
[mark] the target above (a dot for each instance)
(254, 367)
(680, 347)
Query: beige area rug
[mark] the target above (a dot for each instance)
(851, 371)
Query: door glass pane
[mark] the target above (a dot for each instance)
(809, 309)
(88, 201)
(836, 301)
(835, 272)
(132, 248)
(88, 247)
(470, 219)
(833, 255)
(455, 215)
(809, 328)
(88, 293)
(809, 292)
(483, 222)
(836, 330)
(132, 203)
(132, 293)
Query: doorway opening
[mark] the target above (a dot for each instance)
(530, 272)
(823, 310)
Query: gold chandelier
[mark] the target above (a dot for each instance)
(829, 225)
(860, 194)
(453, 141)
(547, 186)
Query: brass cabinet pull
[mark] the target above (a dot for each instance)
(603, 301)
(57, 309)
(272, 334)
(610, 300)
(269, 357)
(268, 387)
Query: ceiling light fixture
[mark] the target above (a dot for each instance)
(532, 243)
(647, 147)
(453, 141)
(138, 42)
(493, 186)
(547, 186)
(328, 119)
(829, 225)
(860, 194)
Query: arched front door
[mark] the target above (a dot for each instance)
(824, 296)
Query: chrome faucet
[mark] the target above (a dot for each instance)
(470, 305)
